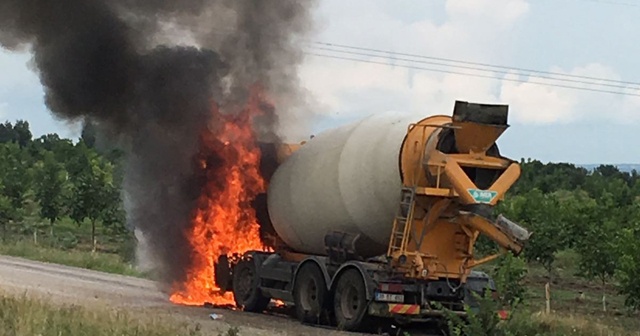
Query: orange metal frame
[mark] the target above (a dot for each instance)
(442, 236)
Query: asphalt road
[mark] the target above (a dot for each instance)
(69, 285)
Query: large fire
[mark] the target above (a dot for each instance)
(224, 221)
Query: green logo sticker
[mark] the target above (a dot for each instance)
(483, 196)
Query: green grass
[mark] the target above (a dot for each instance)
(105, 262)
(23, 316)
(66, 234)
(566, 302)
(540, 324)
(70, 245)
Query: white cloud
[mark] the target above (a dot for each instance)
(474, 30)
(553, 104)
(533, 103)
(498, 12)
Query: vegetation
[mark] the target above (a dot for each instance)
(594, 213)
(523, 323)
(104, 262)
(23, 316)
(64, 198)
(586, 228)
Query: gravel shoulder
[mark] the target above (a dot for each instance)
(70, 285)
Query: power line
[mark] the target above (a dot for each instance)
(472, 75)
(522, 71)
(473, 68)
(469, 63)
(610, 2)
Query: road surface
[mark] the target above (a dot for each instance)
(70, 285)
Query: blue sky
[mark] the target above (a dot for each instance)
(580, 37)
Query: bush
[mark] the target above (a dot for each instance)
(628, 273)
(509, 275)
(522, 323)
(66, 241)
(483, 322)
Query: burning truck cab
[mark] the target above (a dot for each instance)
(379, 219)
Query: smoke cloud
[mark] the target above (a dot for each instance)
(148, 73)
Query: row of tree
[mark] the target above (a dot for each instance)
(595, 213)
(60, 178)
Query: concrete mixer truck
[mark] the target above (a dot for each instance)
(379, 219)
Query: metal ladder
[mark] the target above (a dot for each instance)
(403, 221)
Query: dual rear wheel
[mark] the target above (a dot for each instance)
(345, 305)
(315, 304)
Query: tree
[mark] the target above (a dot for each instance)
(113, 215)
(49, 188)
(16, 174)
(576, 209)
(22, 133)
(6, 132)
(599, 252)
(7, 214)
(91, 182)
(509, 275)
(628, 273)
(540, 214)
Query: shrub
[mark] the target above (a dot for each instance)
(509, 275)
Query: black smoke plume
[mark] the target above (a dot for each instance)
(148, 73)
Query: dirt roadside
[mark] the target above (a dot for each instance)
(69, 285)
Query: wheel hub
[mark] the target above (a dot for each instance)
(309, 294)
(350, 303)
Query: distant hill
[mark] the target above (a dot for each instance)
(625, 167)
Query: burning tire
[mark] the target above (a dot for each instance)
(246, 288)
(310, 294)
(350, 301)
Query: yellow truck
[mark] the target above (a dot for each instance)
(379, 218)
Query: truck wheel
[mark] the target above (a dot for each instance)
(309, 294)
(246, 290)
(350, 301)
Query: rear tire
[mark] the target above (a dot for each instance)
(246, 288)
(350, 303)
(310, 294)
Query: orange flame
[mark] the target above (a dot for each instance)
(224, 221)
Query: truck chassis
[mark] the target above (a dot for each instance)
(340, 289)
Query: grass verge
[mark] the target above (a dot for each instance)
(24, 316)
(105, 262)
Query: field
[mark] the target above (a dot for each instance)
(578, 301)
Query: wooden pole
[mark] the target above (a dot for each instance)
(604, 297)
(547, 293)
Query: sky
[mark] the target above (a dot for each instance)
(577, 37)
